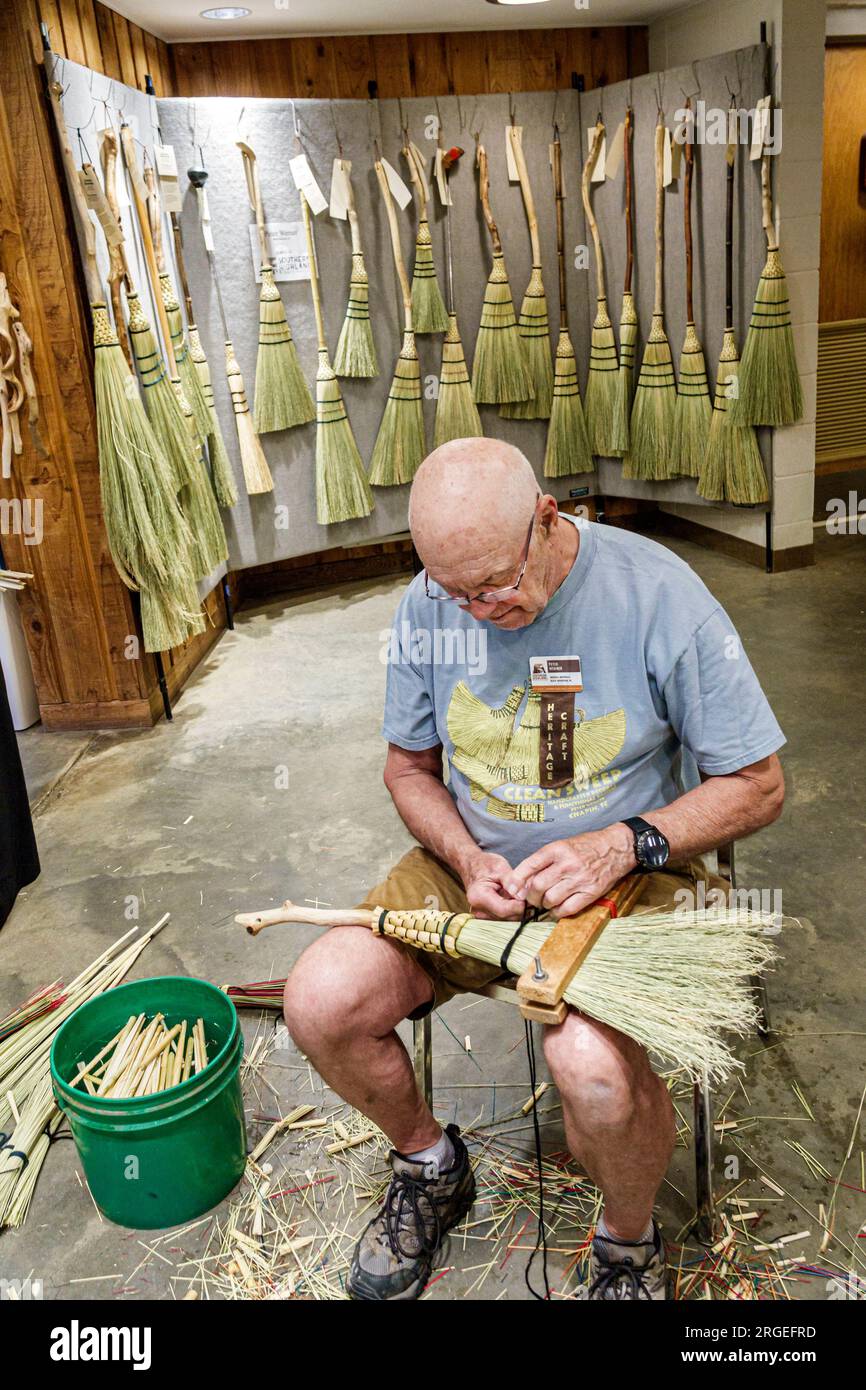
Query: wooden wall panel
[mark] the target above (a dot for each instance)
(843, 209)
(90, 33)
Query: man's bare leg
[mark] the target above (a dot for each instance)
(343, 1001)
(619, 1121)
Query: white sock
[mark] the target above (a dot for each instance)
(439, 1156)
(602, 1232)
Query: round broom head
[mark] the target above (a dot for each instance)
(191, 389)
(162, 401)
(567, 448)
(693, 409)
(770, 390)
(282, 397)
(356, 351)
(652, 413)
(600, 399)
(399, 446)
(499, 370)
(342, 490)
(456, 412)
(428, 310)
(711, 480)
(257, 474)
(222, 475)
(628, 331)
(534, 328)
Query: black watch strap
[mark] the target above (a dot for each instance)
(651, 848)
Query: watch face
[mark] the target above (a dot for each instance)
(653, 849)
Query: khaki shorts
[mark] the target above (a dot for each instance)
(422, 880)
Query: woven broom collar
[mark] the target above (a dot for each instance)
(103, 332)
(422, 928)
(167, 290)
(269, 288)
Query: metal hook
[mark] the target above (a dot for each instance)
(660, 93)
(336, 129)
(296, 125)
(83, 148)
(553, 112)
(510, 109)
(439, 121)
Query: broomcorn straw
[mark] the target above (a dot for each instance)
(456, 412)
(533, 324)
(628, 322)
(602, 384)
(693, 410)
(356, 351)
(499, 371)
(428, 309)
(568, 450)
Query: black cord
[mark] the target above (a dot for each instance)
(541, 1238)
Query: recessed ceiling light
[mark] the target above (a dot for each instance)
(225, 12)
(517, 2)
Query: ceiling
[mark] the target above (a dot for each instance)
(180, 19)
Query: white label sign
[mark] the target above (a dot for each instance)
(287, 250)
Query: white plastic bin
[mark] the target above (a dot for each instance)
(16, 664)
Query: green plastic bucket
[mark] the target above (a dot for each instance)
(164, 1159)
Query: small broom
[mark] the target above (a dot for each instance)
(342, 490)
(628, 322)
(674, 981)
(733, 470)
(769, 386)
(356, 351)
(399, 446)
(499, 370)
(533, 324)
(692, 410)
(601, 386)
(567, 448)
(282, 397)
(456, 412)
(428, 310)
(652, 415)
(257, 474)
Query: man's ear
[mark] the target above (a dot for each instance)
(548, 514)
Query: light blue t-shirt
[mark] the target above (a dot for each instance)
(664, 676)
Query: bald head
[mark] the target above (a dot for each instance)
(470, 503)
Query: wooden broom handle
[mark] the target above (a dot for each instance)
(251, 173)
(767, 204)
(81, 212)
(290, 913)
(119, 270)
(687, 220)
(658, 305)
(516, 138)
(417, 180)
(405, 289)
(177, 234)
(484, 195)
(629, 199)
(587, 206)
(314, 274)
(154, 215)
(352, 214)
(560, 231)
(128, 144)
(729, 237)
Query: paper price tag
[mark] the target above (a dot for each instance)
(597, 175)
(442, 180)
(677, 154)
(204, 217)
(399, 191)
(615, 152)
(96, 200)
(169, 192)
(340, 193)
(760, 127)
(166, 164)
(513, 136)
(305, 183)
(667, 160)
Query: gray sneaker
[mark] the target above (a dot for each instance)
(394, 1256)
(616, 1274)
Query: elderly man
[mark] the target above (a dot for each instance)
(649, 673)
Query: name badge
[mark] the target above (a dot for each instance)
(555, 673)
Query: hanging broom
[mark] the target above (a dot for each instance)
(257, 474)
(187, 376)
(567, 448)
(399, 446)
(733, 470)
(499, 371)
(342, 490)
(652, 415)
(534, 325)
(456, 412)
(769, 382)
(428, 310)
(601, 386)
(628, 322)
(356, 351)
(282, 397)
(674, 981)
(693, 410)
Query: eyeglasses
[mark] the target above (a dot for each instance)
(492, 595)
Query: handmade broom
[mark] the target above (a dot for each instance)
(399, 446)
(499, 369)
(674, 981)
(652, 415)
(628, 322)
(282, 397)
(356, 350)
(732, 470)
(567, 449)
(428, 309)
(456, 412)
(692, 410)
(257, 474)
(534, 324)
(342, 489)
(601, 386)
(769, 382)
(146, 532)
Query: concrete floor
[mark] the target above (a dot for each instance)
(191, 818)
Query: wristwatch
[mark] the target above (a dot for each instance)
(651, 848)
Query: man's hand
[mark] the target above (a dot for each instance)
(567, 875)
(484, 878)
